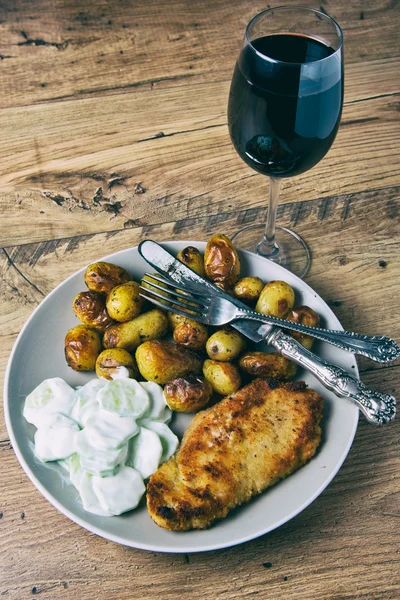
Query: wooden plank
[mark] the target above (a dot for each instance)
(63, 171)
(355, 267)
(343, 546)
(69, 49)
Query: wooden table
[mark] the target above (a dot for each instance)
(113, 129)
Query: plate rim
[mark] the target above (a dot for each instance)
(116, 538)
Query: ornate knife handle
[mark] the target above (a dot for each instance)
(378, 408)
(378, 347)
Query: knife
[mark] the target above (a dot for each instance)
(378, 408)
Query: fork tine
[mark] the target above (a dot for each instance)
(172, 292)
(166, 306)
(171, 284)
(171, 302)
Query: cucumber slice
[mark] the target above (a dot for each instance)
(95, 460)
(50, 397)
(145, 451)
(168, 439)
(125, 397)
(89, 497)
(110, 431)
(158, 408)
(86, 400)
(120, 493)
(58, 442)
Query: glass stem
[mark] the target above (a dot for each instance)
(267, 246)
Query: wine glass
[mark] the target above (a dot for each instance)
(284, 109)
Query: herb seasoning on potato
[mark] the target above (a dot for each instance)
(147, 326)
(102, 277)
(82, 347)
(162, 361)
(90, 308)
(276, 299)
(124, 302)
(109, 363)
(224, 377)
(248, 289)
(191, 334)
(225, 345)
(192, 258)
(187, 394)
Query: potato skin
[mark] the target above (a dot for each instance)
(305, 316)
(191, 257)
(102, 277)
(248, 289)
(82, 346)
(187, 394)
(90, 308)
(191, 334)
(174, 320)
(267, 364)
(129, 335)
(221, 261)
(110, 360)
(276, 299)
(224, 377)
(162, 361)
(225, 345)
(124, 302)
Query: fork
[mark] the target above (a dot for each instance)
(215, 310)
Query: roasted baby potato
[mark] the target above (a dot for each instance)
(124, 302)
(102, 277)
(162, 361)
(192, 258)
(267, 364)
(191, 334)
(90, 308)
(224, 377)
(248, 289)
(276, 299)
(174, 320)
(221, 261)
(305, 316)
(225, 345)
(109, 363)
(187, 394)
(82, 347)
(147, 326)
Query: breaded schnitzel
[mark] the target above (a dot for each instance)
(234, 450)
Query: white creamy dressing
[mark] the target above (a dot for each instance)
(108, 435)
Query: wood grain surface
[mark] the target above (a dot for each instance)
(113, 122)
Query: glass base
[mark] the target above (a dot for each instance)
(291, 251)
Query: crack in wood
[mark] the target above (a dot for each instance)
(11, 263)
(391, 94)
(358, 121)
(39, 42)
(128, 86)
(162, 134)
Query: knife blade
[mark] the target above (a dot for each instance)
(167, 265)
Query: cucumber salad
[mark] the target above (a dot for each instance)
(109, 435)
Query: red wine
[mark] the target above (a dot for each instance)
(283, 116)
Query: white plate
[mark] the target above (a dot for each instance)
(39, 353)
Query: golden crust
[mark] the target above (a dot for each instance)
(235, 450)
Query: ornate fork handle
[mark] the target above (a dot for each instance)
(378, 348)
(378, 408)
